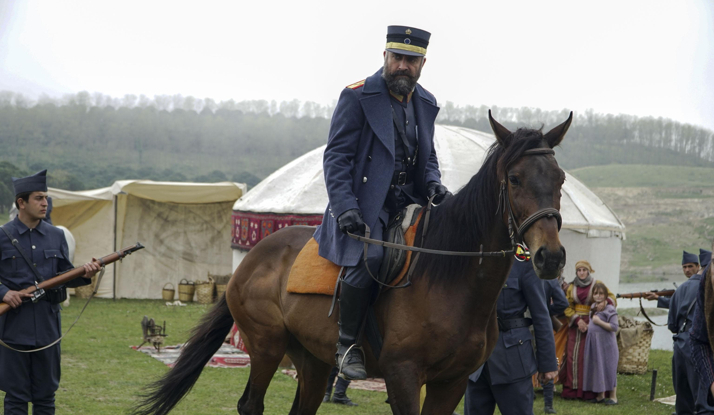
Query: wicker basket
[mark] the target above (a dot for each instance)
(634, 358)
(220, 289)
(221, 283)
(168, 293)
(86, 291)
(186, 290)
(205, 291)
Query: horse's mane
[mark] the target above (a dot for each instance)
(464, 221)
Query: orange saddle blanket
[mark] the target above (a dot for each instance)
(313, 274)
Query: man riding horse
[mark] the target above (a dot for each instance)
(380, 157)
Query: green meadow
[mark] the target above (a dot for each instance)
(101, 374)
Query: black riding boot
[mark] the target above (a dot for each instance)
(353, 306)
(340, 396)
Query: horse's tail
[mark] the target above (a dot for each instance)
(206, 338)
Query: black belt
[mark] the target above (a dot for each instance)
(401, 178)
(513, 323)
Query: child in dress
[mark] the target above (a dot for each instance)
(601, 354)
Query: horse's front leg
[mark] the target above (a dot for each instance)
(404, 382)
(443, 397)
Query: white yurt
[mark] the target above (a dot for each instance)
(295, 194)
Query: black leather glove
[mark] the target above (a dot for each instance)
(438, 189)
(351, 221)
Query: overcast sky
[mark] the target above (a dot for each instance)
(640, 57)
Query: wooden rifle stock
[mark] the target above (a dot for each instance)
(661, 293)
(74, 273)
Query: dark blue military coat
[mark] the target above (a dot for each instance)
(679, 311)
(552, 291)
(512, 358)
(31, 324)
(359, 160)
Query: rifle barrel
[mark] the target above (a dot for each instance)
(74, 273)
(661, 293)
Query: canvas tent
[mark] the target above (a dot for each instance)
(185, 228)
(295, 194)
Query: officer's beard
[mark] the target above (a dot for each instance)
(400, 85)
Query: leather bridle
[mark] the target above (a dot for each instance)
(504, 202)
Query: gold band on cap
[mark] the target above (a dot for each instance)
(404, 46)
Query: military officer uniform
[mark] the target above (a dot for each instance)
(31, 377)
(379, 158)
(690, 398)
(505, 379)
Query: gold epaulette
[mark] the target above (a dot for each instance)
(356, 84)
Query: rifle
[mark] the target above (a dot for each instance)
(661, 293)
(38, 290)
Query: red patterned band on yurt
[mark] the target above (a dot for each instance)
(249, 228)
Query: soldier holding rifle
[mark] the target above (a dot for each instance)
(690, 266)
(690, 398)
(39, 252)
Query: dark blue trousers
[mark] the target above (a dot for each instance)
(29, 377)
(340, 386)
(514, 398)
(691, 398)
(358, 276)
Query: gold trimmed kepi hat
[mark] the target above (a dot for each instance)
(407, 40)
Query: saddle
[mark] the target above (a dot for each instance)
(313, 274)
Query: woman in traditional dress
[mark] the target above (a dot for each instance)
(580, 299)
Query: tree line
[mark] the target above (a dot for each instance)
(90, 140)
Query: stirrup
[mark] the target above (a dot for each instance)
(342, 361)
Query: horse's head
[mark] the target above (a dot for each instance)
(530, 184)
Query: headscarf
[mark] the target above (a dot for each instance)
(587, 281)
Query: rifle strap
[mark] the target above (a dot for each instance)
(99, 279)
(642, 310)
(17, 246)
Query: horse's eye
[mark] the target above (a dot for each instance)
(514, 180)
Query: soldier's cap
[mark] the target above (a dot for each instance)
(407, 40)
(688, 258)
(34, 183)
(704, 257)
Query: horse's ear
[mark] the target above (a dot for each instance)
(500, 131)
(556, 135)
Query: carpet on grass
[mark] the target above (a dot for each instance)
(369, 384)
(668, 400)
(226, 356)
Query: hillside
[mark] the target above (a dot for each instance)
(666, 210)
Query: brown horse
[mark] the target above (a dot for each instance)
(435, 332)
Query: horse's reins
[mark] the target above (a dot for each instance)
(504, 202)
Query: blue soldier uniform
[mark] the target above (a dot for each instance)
(554, 297)
(687, 258)
(505, 379)
(31, 377)
(340, 395)
(379, 158)
(557, 303)
(679, 322)
(700, 347)
(684, 378)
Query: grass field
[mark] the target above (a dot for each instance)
(629, 175)
(102, 375)
(666, 209)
